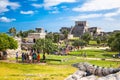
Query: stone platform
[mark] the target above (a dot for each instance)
(87, 71)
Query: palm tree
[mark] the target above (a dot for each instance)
(12, 31)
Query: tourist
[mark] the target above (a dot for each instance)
(27, 57)
(30, 58)
(34, 56)
(38, 57)
(16, 56)
(44, 57)
(23, 58)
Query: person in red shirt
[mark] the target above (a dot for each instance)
(38, 57)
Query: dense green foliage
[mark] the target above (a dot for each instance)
(7, 42)
(56, 38)
(86, 37)
(24, 33)
(49, 36)
(114, 41)
(65, 33)
(45, 45)
(77, 43)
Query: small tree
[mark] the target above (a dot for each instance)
(79, 43)
(24, 34)
(6, 42)
(45, 45)
(56, 38)
(86, 37)
(98, 40)
(114, 42)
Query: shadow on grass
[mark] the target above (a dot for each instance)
(107, 55)
(53, 60)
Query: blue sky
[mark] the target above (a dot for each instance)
(54, 14)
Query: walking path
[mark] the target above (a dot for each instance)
(99, 59)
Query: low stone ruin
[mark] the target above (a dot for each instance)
(91, 72)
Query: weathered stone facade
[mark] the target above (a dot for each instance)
(80, 28)
(94, 31)
(40, 33)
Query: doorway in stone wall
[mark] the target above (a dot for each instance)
(34, 40)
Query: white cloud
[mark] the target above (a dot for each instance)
(65, 7)
(4, 4)
(85, 16)
(37, 5)
(111, 14)
(5, 19)
(55, 10)
(109, 19)
(50, 3)
(27, 12)
(97, 5)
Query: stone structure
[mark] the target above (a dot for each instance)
(40, 33)
(94, 31)
(91, 72)
(80, 28)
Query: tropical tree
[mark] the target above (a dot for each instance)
(20, 34)
(86, 37)
(45, 45)
(24, 33)
(65, 33)
(49, 36)
(79, 43)
(56, 38)
(7, 42)
(114, 42)
(12, 31)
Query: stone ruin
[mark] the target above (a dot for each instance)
(87, 71)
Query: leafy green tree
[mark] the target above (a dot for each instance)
(24, 33)
(45, 45)
(7, 42)
(79, 43)
(49, 36)
(65, 33)
(56, 38)
(20, 34)
(114, 42)
(86, 37)
(12, 31)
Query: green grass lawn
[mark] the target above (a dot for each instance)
(52, 70)
(94, 53)
(57, 67)
(92, 42)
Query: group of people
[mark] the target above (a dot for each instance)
(31, 57)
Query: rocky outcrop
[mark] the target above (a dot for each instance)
(87, 71)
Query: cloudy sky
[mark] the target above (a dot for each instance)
(54, 14)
